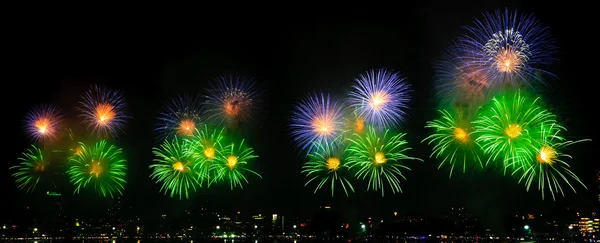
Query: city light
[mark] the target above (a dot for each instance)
(362, 226)
(570, 227)
(294, 226)
(526, 227)
(255, 226)
(218, 227)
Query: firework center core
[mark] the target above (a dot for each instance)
(322, 125)
(380, 158)
(546, 155)
(186, 127)
(40, 166)
(42, 125)
(460, 134)
(105, 113)
(378, 100)
(333, 163)
(232, 161)
(209, 153)
(178, 166)
(96, 168)
(513, 130)
(232, 108)
(507, 60)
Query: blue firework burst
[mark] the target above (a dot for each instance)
(511, 47)
(381, 96)
(317, 118)
(43, 122)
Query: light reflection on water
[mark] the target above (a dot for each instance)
(242, 241)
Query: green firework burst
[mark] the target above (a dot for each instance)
(31, 170)
(507, 128)
(326, 163)
(379, 156)
(100, 166)
(174, 168)
(205, 147)
(231, 163)
(454, 141)
(547, 166)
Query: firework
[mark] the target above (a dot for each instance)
(547, 166)
(231, 98)
(379, 156)
(459, 83)
(174, 168)
(180, 117)
(507, 128)
(75, 148)
(454, 141)
(31, 170)
(381, 96)
(316, 119)
(231, 164)
(354, 123)
(510, 47)
(43, 122)
(205, 147)
(326, 163)
(104, 110)
(100, 166)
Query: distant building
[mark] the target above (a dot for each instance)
(598, 183)
(589, 226)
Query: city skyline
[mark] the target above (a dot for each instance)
(155, 63)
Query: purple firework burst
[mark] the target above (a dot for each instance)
(381, 97)
(315, 119)
(180, 117)
(231, 98)
(42, 122)
(457, 82)
(104, 111)
(510, 47)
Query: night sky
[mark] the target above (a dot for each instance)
(154, 57)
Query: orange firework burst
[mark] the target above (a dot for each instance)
(471, 84)
(43, 122)
(231, 98)
(104, 111)
(186, 127)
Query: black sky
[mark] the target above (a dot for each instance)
(153, 57)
